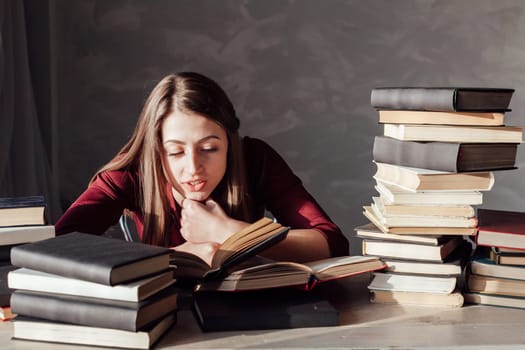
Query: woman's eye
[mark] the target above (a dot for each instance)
(209, 150)
(175, 154)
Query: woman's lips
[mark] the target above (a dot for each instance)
(195, 185)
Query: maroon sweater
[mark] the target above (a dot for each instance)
(272, 186)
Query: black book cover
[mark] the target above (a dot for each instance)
(92, 258)
(263, 309)
(5, 291)
(22, 202)
(445, 156)
(441, 98)
(95, 312)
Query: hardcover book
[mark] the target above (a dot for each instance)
(501, 228)
(413, 283)
(483, 265)
(95, 312)
(421, 231)
(13, 235)
(495, 285)
(419, 179)
(392, 194)
(411, 251)
(371, 231)
(388, 209)
(445, 156)
(441, 118)
(286, 273)
(15, 211)
(442, 98)
(138, 290)
(242, 245)
(92, 258)
(421, 220)
(263, 309)
(29, 328)
(494, 300)
(454, 133)
(504, 257)
(454, 299)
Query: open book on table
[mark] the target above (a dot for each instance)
(240, 246)
(264, 273)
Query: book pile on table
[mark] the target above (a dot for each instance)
(86, 289)
(22, 220)
(496, 274)
(435, 158)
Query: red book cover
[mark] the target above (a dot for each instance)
(501, 228)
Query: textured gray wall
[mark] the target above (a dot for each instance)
(299, 72)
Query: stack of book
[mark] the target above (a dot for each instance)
(86, 289)
(496, 274)
(436, 156)
(22, 220)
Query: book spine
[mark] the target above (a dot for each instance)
(413, 99)
(74, 311)
(432, 155)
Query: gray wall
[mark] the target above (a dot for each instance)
(299, 72)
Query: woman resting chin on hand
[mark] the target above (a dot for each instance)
(191, 181)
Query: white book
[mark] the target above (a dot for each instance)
(392, 194)
(412, 283)
(32, 280)
(422, 220)
(56, 332)
(455, 133)
(11, 235)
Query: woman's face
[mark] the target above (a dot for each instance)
(195, 152)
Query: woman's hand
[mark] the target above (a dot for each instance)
(205, 251)
(207, 222)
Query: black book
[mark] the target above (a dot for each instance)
(92, 258)
(441, 98)
(263, 309)
(19, 211)
(445, 156)
(5, 291)
(95, 312)
(35, 329)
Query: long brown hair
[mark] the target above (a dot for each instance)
(188, 92)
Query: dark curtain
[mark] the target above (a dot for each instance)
(24, 164)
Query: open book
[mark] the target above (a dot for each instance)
(240, 246)
(286, 273)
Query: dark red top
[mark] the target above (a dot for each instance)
(272, 186)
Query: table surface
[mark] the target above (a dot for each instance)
(363, 326)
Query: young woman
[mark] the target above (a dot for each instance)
(191, 181)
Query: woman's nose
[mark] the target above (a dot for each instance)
(193, 163)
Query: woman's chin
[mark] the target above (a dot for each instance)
(197, 196)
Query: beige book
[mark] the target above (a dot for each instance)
(395, 195)
(441, 117)
(455, 231)
(417, 179)
(422, 220)
(454, 133)
(412, 283)
(387, 209)
(454, 299)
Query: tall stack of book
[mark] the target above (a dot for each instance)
(22, 220)
(86, 289)
(496, 274)
(436, 156)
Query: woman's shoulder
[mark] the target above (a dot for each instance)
(254, 147)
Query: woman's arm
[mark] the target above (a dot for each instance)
(99, 206)
(300, 245)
